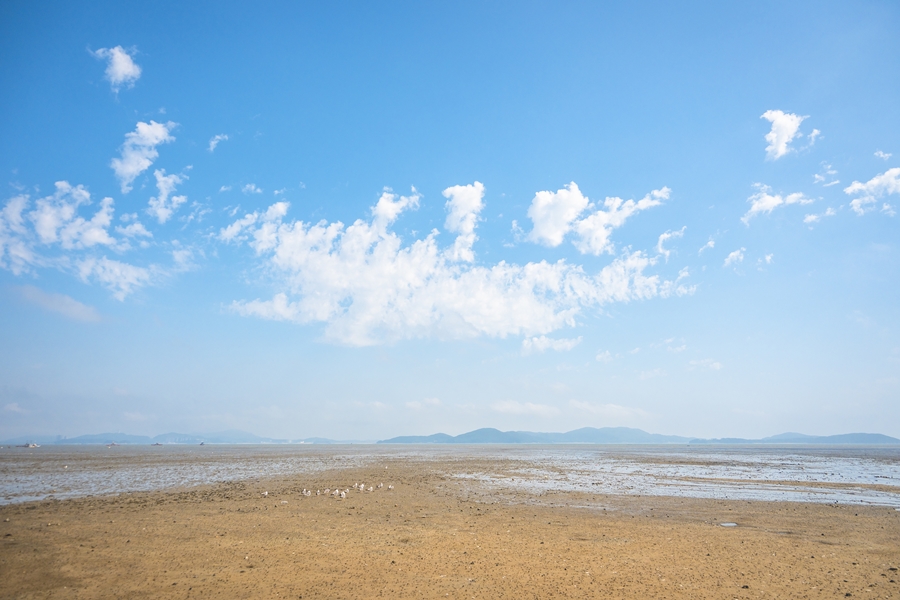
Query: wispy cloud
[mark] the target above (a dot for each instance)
(543, 343)
(511, 407)
(764, 202)
(735, 257)
(215, 140)
(705, 364)
(612, 411)
(421, 404)
(663, 238)
(59, 304)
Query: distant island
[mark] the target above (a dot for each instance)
(585, 435)
(627, 435)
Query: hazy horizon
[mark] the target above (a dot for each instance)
(314, 221)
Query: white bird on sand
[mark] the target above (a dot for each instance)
(390, 487)
(343, 495)
(380, 485)
(265, 494)
(370, 489)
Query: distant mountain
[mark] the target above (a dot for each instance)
(626, 435)
(585, 435)
(799, 438)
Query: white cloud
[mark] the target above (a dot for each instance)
(162, 206)
(543, 343)
(785, 127)
(56, 219)
(883, 155)
(512, 407)
(555, 214)
(735, 257)
(612, 411)
(121, 69)
(120, 278)
(604, 356)
(367, 287)
(884, 184)
(139, 151)
(15, 253)
(225, 188)
(816, 134)
(664, 238)
(14, 407)
(828, 172)
(134, 230)
(813, 218)
(463, 206)
(764, 201)
(60, 304)
(706, 363)
(420, 404)
(214, 141)
(251, 188)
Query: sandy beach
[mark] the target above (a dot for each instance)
(438, 536)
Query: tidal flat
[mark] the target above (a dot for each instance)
(460, 522)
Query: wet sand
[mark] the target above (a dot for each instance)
(439, 536)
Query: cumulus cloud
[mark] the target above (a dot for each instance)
(785, 127)
(56, 219)
(663, 238)
(214, 141)
(707, 246)
(511, 407)
(368, 288)
(867, 193)
(463, 205)
(139, 151)
(251, 188)
(120, 278)
(59, 304)
(543, 343)
(883, 155)
(163, 206)
(764, 201)
(121, 70)
(735, 257)
(555, 214)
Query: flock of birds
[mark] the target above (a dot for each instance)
(338, 493)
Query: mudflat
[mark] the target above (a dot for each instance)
(438, 536)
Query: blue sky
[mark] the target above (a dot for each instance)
(365, 220)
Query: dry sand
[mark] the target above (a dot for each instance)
(436, 536)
